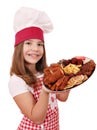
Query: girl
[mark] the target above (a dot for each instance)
(40, 108)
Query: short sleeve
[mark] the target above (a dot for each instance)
(17, 86)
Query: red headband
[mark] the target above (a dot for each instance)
(28, 33)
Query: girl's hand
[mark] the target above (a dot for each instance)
(45, 89)
(63, 96)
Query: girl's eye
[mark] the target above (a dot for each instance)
(40, 44)
(27, 43)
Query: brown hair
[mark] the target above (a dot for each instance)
(19, 67)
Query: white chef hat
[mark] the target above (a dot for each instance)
(31, 23)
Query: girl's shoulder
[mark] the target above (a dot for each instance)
(17, 85)
(16, 80)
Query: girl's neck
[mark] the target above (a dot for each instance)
(32, 68)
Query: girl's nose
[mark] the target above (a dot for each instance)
(34, 47)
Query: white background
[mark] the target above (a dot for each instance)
(75, 33)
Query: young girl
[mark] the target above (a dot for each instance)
(40, 108)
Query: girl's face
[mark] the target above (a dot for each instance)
(33, 50)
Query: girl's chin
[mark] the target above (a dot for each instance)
(32, 62)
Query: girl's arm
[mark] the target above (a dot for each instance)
(63, 96)
(35, 111)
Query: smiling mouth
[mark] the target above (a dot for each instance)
(33, 55)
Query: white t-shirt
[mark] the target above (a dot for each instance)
(17, 86)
